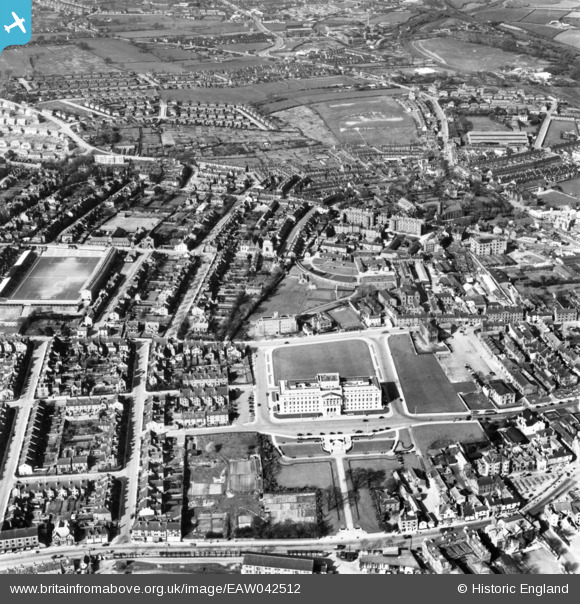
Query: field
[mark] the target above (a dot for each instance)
(345, 318)
(372, 121)
(319, 474)
(572, 187)
(50, 60)
(475, 57)
(392, 18)
(56, 278)
(363, 447)
(309, 123)
(131, 223)
(294, 298)
(349, 358)
(343, 268)
(502, 14)
(554, 135)
(544, 16)
(119, 51)
(433, 392)
(541, 30)
(232, 445)
(570, 38)
(435, 436)
(486, 124)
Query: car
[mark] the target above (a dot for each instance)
(286, 342)
(308, 433)
(358, 432)
(365, 420)
(300, 434)
(322, 434)
(382, 417)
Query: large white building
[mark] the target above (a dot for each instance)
(488, 246)
(329, 394)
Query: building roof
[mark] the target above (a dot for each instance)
(279, 561)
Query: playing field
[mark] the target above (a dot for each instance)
(56, 278)
(474, 57)
(376, 120)
(349, 358)
(425, 385)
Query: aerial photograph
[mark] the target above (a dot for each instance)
(290, 287)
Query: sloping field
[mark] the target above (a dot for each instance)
(424, 383)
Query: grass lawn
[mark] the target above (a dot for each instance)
(302, 449)
(435, 436)
(350, 358)
(424, 383)
(230, 445)
(371, 446)
(318, 474)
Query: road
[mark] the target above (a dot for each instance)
(23, 406)
(357, 539)
(279, 40)
(133, 468)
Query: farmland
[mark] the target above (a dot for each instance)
(349, 358)
(570, 38)
(434, 392)
(374, 121)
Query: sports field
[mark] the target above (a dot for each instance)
(425, 385)
(350, 358)
(56, 278)
(475, 57)
(376, 120)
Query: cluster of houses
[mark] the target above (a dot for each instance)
(533, 359)
(12, 354)
(160, 497)
(75, 436)
(63, 511)
(23, 133)
(83, 367)
(193, 364)
(150, 300)
(484, 481)
(223, 115)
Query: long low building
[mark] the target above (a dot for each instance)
(499, 138)
(329, 394)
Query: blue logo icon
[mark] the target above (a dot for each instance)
(15, 23)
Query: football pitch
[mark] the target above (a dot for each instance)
(56, 278)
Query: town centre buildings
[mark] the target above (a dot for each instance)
(328, 394)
